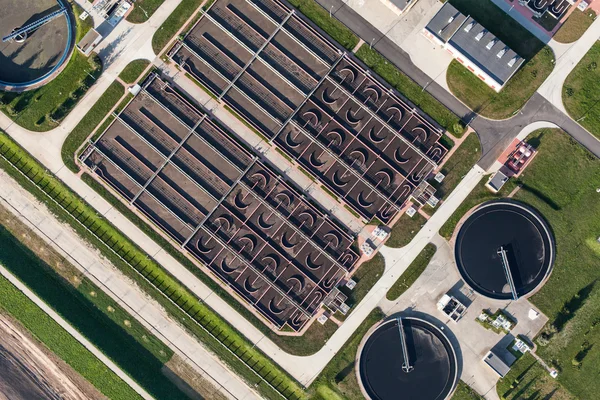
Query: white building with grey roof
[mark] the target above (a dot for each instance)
(473, 46)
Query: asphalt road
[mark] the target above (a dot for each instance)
(494, 135)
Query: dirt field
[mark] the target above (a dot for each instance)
(30, 371)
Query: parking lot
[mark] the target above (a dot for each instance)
(255, 232)
(357, 137)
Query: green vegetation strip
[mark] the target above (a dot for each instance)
(61, 343)
(575, 26)
(331, 25)
(412, 273)
(174, 22)
(93, 314)
(338, 379)
(581, 91)
(529, 380)
(410, 89)
(42, 109)
(133, 70)
(365, 277)
(479, 97)
(91, 120)
(405, 230)
(458, 165)
(464, 392)
(197, 317)
(143, 10)
(561, 184)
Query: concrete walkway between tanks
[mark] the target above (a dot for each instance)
(73, 332)
(120, 288)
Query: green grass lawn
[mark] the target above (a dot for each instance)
(320, 16)
(581, 91)
(411, 90)
(42, 109)
(485, 101)
(133, 70)
(142, 10)
(86, 309)
(197, 317)
(575, 26)
(457, 166)
(366, 276)
(529, 380)
(61, 343)
(412, 273)
(174, 22)
(561, 183)
(507, 29)
(405, 230)
(90, 121)
(338, 380)
(464, 392)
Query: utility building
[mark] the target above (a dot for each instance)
(474, 46)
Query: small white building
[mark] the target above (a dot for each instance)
(473, 46)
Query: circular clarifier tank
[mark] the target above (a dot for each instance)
(504, 249)
(407, 359)
(37, 56)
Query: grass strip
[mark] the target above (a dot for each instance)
(479, 97)
(331, 25)
(95, 315)
(411, 90)
(458, 165)
(143, 10)
(43, 109)
(90, 121)
(174, 22)
(365, 277)
(224, 340)
(581, 91)
(338, 380)
(465, 392)
(405, 230)
(133, 70)
(575, 26)
(61, 343)
(412, 273)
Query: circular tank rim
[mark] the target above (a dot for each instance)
(437, 331)
(22, 86)
(532, 212)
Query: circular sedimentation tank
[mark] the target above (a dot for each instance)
(504, 236)
(31, 60)
(432, 370)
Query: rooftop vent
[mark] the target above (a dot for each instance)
(501, 53)
(491, 44)
(470, 26)
(513, 61)
(479, 36)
